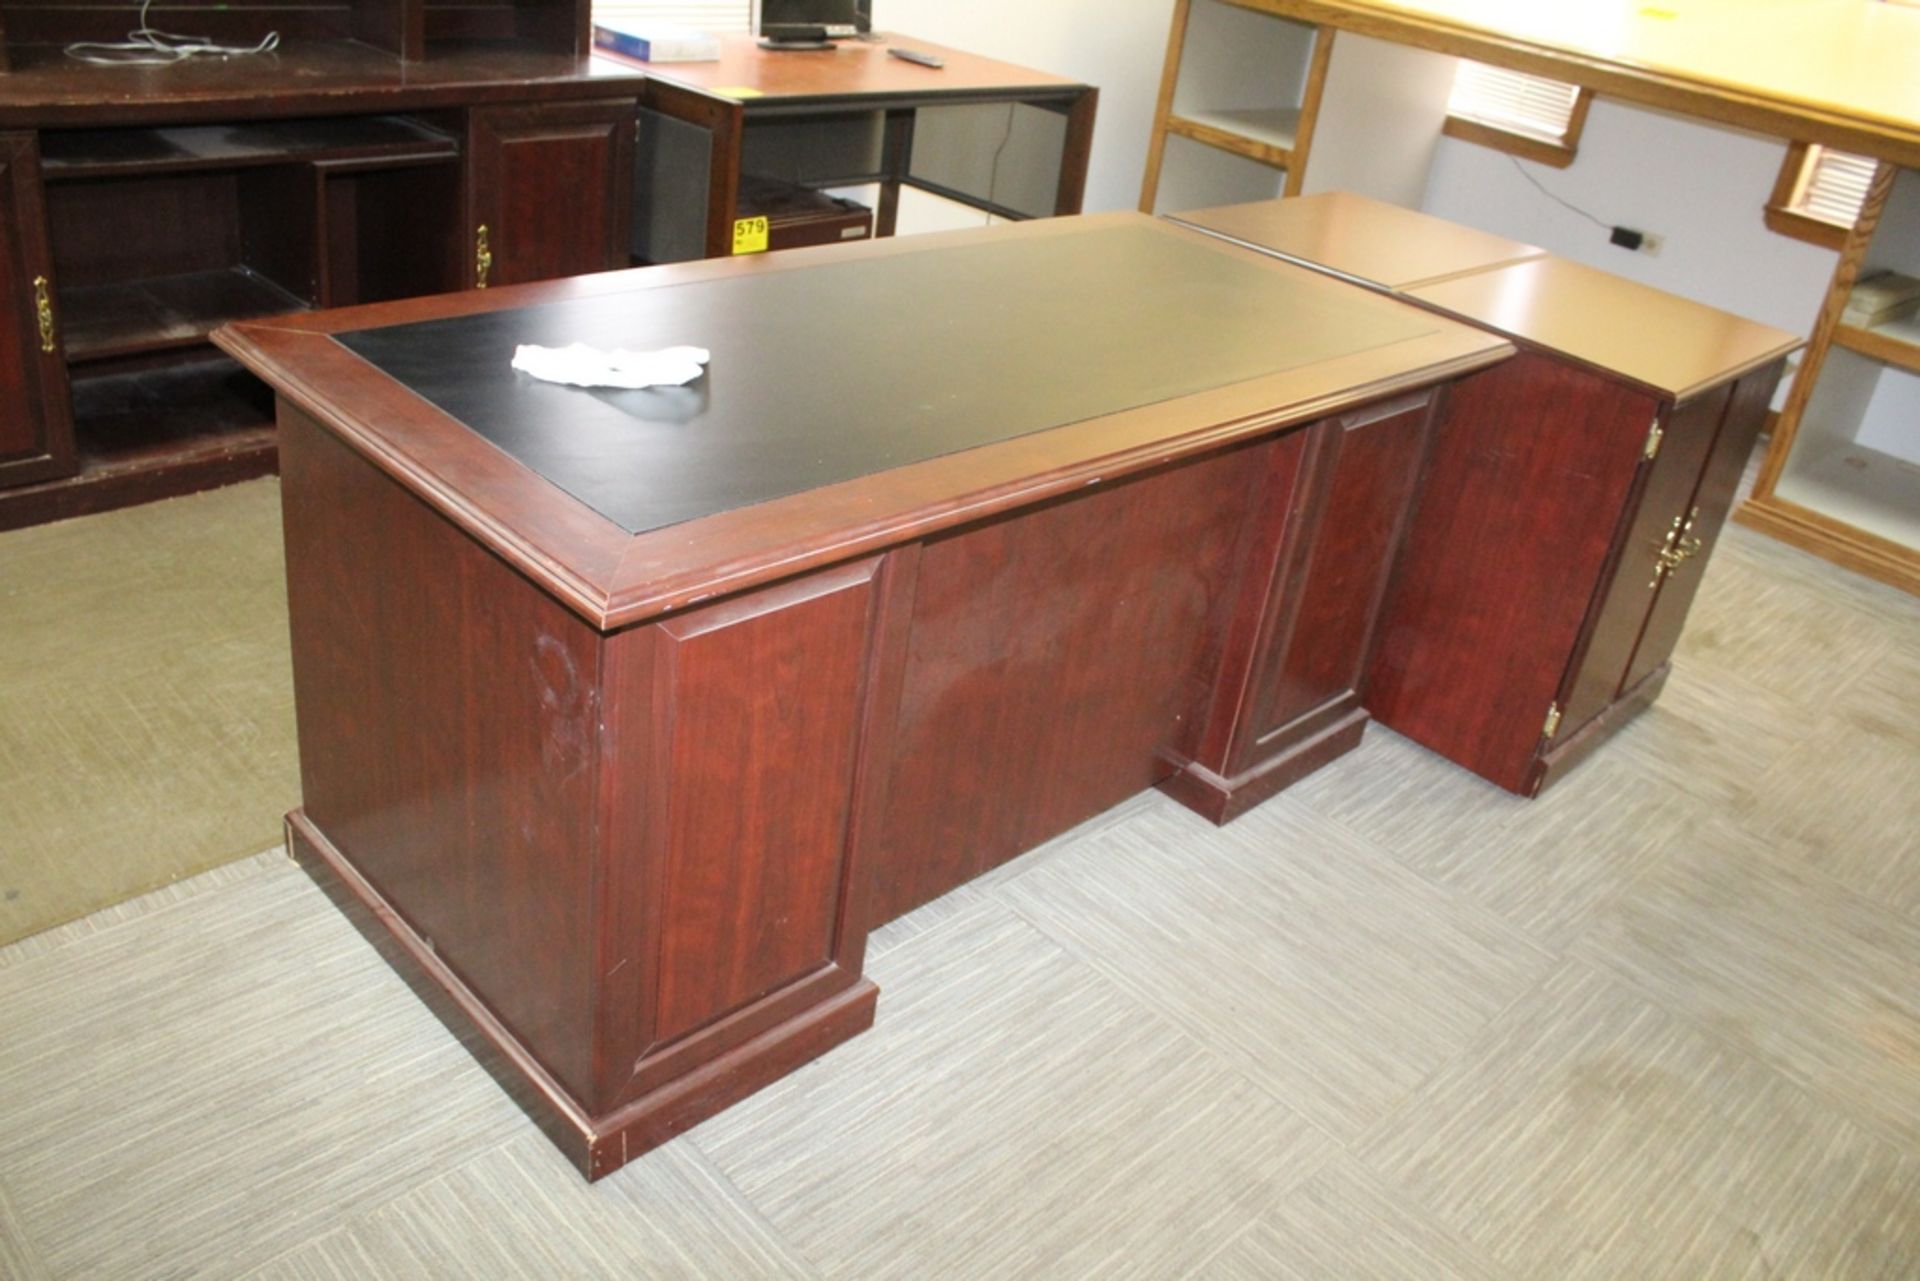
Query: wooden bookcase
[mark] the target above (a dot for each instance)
(1239, 97)
(386, 149)
(1839, 478)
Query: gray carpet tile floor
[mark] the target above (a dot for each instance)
(1662, 1022)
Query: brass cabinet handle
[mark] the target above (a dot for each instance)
(482, 257)
(1677, 548)
(43, 308)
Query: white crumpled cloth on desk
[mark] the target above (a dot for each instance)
(583, 365)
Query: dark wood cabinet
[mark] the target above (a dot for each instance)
(551, 189)
(1552, 560)
(146, 206)
(1574, 496)
(1573, 493)
(36, 423)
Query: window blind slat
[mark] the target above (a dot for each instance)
(1836, 186)
(1514, 101)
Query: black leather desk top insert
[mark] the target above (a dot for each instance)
(845, 369)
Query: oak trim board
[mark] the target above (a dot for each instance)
(1825, 324)
(1558, 155)
(1163, 105)
(1782, 218)
(1845, 545)
(1668, 88)
(1310, 96)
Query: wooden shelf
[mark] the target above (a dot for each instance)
(1262, 134)
(88, 153)
(130, 419)
(1862, 487)
(1897, 341)
(99, 322)
(1829, 483)
(155, 433)
(1273, 70)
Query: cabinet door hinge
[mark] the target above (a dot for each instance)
(1654, 434)
(1552, 726)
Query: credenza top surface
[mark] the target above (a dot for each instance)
(1368, 240)
(46, 88)
(1663, 342)
(858, 395)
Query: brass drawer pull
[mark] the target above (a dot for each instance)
(482, 257)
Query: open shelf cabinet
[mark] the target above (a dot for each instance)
(158, 236)
(388, 149)
(1244, 85)
(1842, 474)
(411, 30)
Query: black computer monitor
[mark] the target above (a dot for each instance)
(809, 24)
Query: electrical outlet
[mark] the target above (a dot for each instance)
(1641, 242)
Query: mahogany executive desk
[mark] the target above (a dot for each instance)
(625, 714)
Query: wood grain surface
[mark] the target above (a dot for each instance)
(457, 772)
(1670, 345)
(612, 579)
(522, 158)
(852, 68)
(1059, 660)
(1827, 71)
(1531, 467)
(1367, 240)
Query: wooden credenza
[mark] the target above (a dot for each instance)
(624, 715)
(383, 151)
(1572, 496)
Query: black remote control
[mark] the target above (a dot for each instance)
(915, 56)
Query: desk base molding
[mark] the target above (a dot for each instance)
(1221, 800)
(597, 1145)
(1598, 730)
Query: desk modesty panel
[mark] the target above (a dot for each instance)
(624, 805)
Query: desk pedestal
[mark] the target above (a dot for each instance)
(635, 869)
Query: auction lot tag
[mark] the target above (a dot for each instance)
(750, 235)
